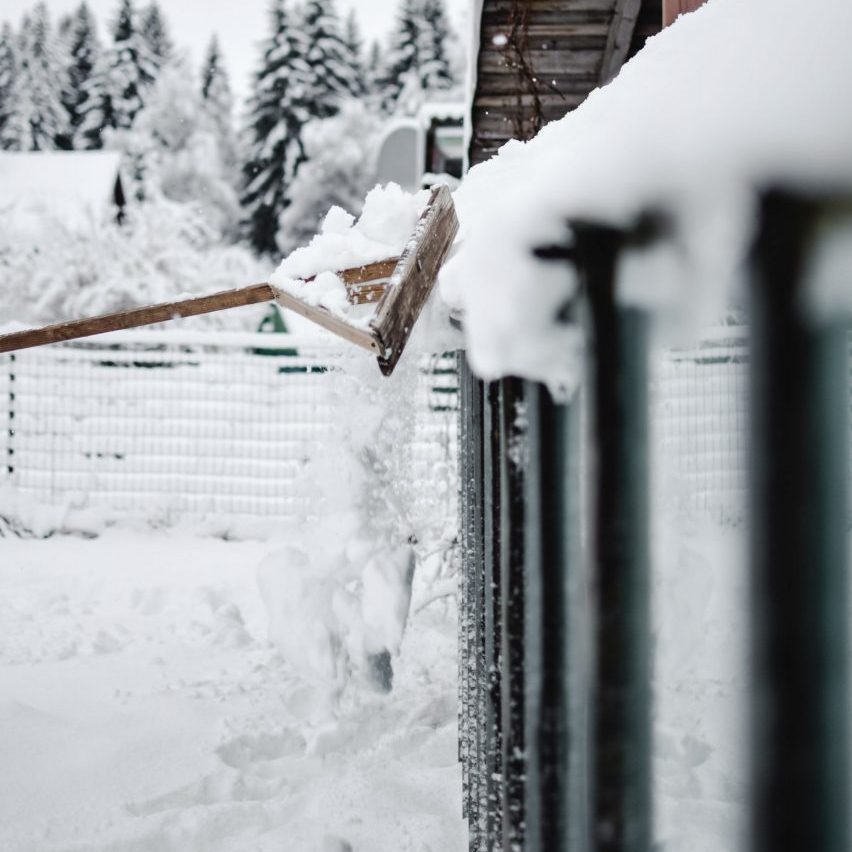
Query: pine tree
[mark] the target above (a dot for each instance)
(402, 59)
(155, 32)
(279, 109)
(115, 93)
(39, 85)
(433, 59)
(355, 47)
(8, 75)
(329, 59)
(218, 101)
(84, 49)
(373, 69)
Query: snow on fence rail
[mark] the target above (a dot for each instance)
(169, 426)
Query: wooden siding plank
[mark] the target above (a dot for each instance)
(624, 20)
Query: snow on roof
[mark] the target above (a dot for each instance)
(730, 98)
(441, 111)
(73, 186)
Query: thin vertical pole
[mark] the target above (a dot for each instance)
(10, 432)
(513, 459)
(550, 556)
(466, 620)
(492, 616)
(477, 819)
(621, 693)
(801, 791)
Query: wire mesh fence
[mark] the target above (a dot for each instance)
(699, 417)
(170, 426)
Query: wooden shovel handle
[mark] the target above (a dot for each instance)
(363, 284)
(137, 316)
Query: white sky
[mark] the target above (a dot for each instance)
(240, 24)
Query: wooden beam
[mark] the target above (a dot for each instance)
(163, 312)
(322, 317)
(414, 278)
(364, 284)
(621, 29)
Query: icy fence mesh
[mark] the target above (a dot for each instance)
(168, 426)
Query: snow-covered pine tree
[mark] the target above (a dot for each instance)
(373, 70)
(83, 51)
(218, 101)
(279, 108)
(215, 86)
(355, 46)
(402, 62)
(116, 91)
(156, 34)
(329, 58)
(39, 84)
(8, 74)
(432, 54)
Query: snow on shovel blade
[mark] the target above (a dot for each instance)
(401, 287)
(407, 289)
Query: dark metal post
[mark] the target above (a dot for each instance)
(800, 397)
(513, 451)
(466, 625)
(10, 436)
(493, 758)
(550, 547)
(621, 687)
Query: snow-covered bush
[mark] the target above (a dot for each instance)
(176, 149)
(164, 249)
(339, 172)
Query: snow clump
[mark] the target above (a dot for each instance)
(731, 98)
(381, 232)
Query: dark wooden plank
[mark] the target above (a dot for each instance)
(545, 31)
(544, 62)
(560, 8)
(414, 278)
(63, 331)
(620, 36)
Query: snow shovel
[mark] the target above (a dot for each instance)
(399, 286)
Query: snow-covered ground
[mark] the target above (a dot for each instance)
(699, 601)
(142, 708)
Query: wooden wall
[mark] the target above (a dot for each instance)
(539, 59)
(673, 8)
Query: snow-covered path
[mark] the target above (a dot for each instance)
(141, 708)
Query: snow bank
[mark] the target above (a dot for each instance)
(142, 708)
(381, 232)
(731, 97)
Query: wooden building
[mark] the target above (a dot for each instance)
(538, 59)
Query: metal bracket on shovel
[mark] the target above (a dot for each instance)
(399, 287)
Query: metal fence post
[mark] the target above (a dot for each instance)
(621, 687)
(550, 556)
(800, 387)
(474, 670)
(10, 430)
(513, 451)
(493, 617)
